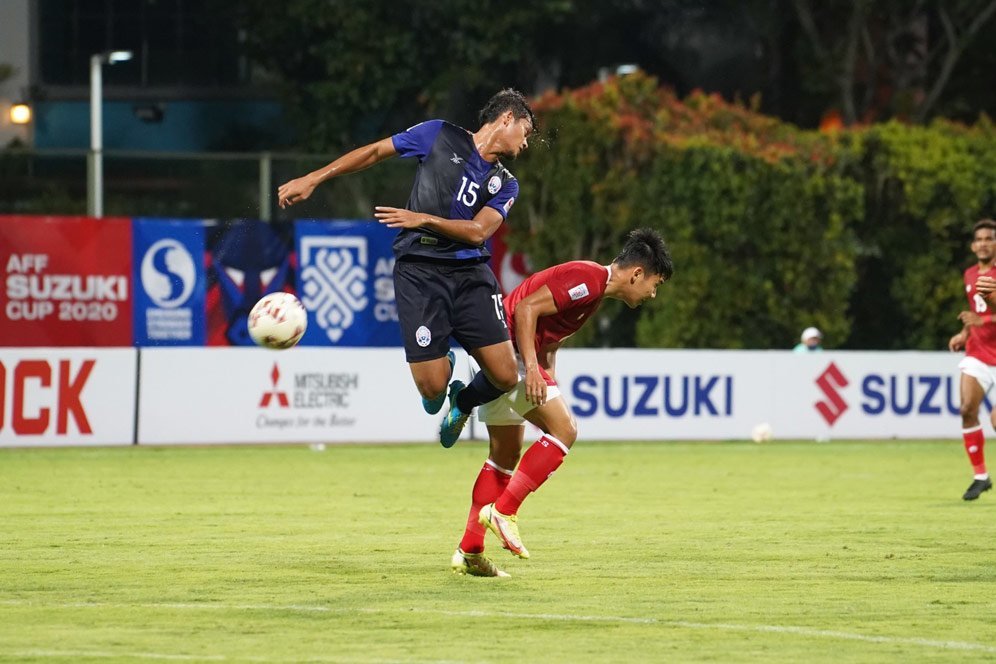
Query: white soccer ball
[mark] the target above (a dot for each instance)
(278, 321)
(761, 433)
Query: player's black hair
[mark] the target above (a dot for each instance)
(646, 248)
(507, 100)
(983, 223)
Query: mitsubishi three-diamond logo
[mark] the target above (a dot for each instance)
(274, 393)
(830, 382)
(334, 281)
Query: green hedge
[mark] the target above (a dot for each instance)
(924, 187)
(862, 233)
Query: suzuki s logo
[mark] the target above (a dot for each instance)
(168, 273)
(274, 393)
(830, 382)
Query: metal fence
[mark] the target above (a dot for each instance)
(197, 185)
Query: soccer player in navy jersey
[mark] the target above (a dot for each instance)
(978, 339)
(543, 310)
(442, 283)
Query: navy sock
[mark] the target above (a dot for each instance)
(481, 390)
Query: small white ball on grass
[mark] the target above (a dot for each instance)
(761, 433)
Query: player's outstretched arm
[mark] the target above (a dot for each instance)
(475, 231)
(300, 189)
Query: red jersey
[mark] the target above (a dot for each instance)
(981, 342)
(577, 287)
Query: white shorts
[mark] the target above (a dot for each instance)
(980, 371)
(510, 407)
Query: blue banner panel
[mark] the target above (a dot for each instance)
(346, 282)
(247, 259)
(169, 278)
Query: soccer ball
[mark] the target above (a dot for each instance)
(761, 433)
(278, 321)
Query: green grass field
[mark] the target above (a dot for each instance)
(843, 552)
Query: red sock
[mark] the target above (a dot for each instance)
(975, 443)
(538, 463)
(491, 481)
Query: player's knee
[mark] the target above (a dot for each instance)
(969, 414)
(430, 386)
(566, 433)
(505, 379)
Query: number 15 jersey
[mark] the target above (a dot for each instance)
(453, 181)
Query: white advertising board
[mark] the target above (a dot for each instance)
(86, 396)
(306, 394)
(659, 394)
(67, 396)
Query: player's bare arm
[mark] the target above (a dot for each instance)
(548, 358)
(971, 319)
(529, 310)
(474, 232)
(300, 189)
(958, 341)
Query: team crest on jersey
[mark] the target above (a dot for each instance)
(494, 184)
(508, 204)
(579, 291)
(968, 288)
(423, 337)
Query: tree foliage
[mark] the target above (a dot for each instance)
(890, 57)
(861, 232)
(924, 189)
(353, 71)
(357, 71)
(759, 215)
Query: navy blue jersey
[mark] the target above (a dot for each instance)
(453, 181)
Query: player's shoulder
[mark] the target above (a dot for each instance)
(971, 271)
(426, 125)
(451, 129)
(454, 137)
(583, 266)
(578, 270)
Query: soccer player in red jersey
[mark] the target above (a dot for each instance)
(978, 339)
(542, 311)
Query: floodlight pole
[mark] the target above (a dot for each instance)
(95, 162)
(95, 181)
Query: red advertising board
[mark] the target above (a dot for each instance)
(66, 281)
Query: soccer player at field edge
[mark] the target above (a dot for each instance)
(978, 339)
(443, 285)
(543, 310)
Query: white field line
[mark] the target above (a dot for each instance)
(556, 617)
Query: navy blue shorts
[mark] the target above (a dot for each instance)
(438, 300)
